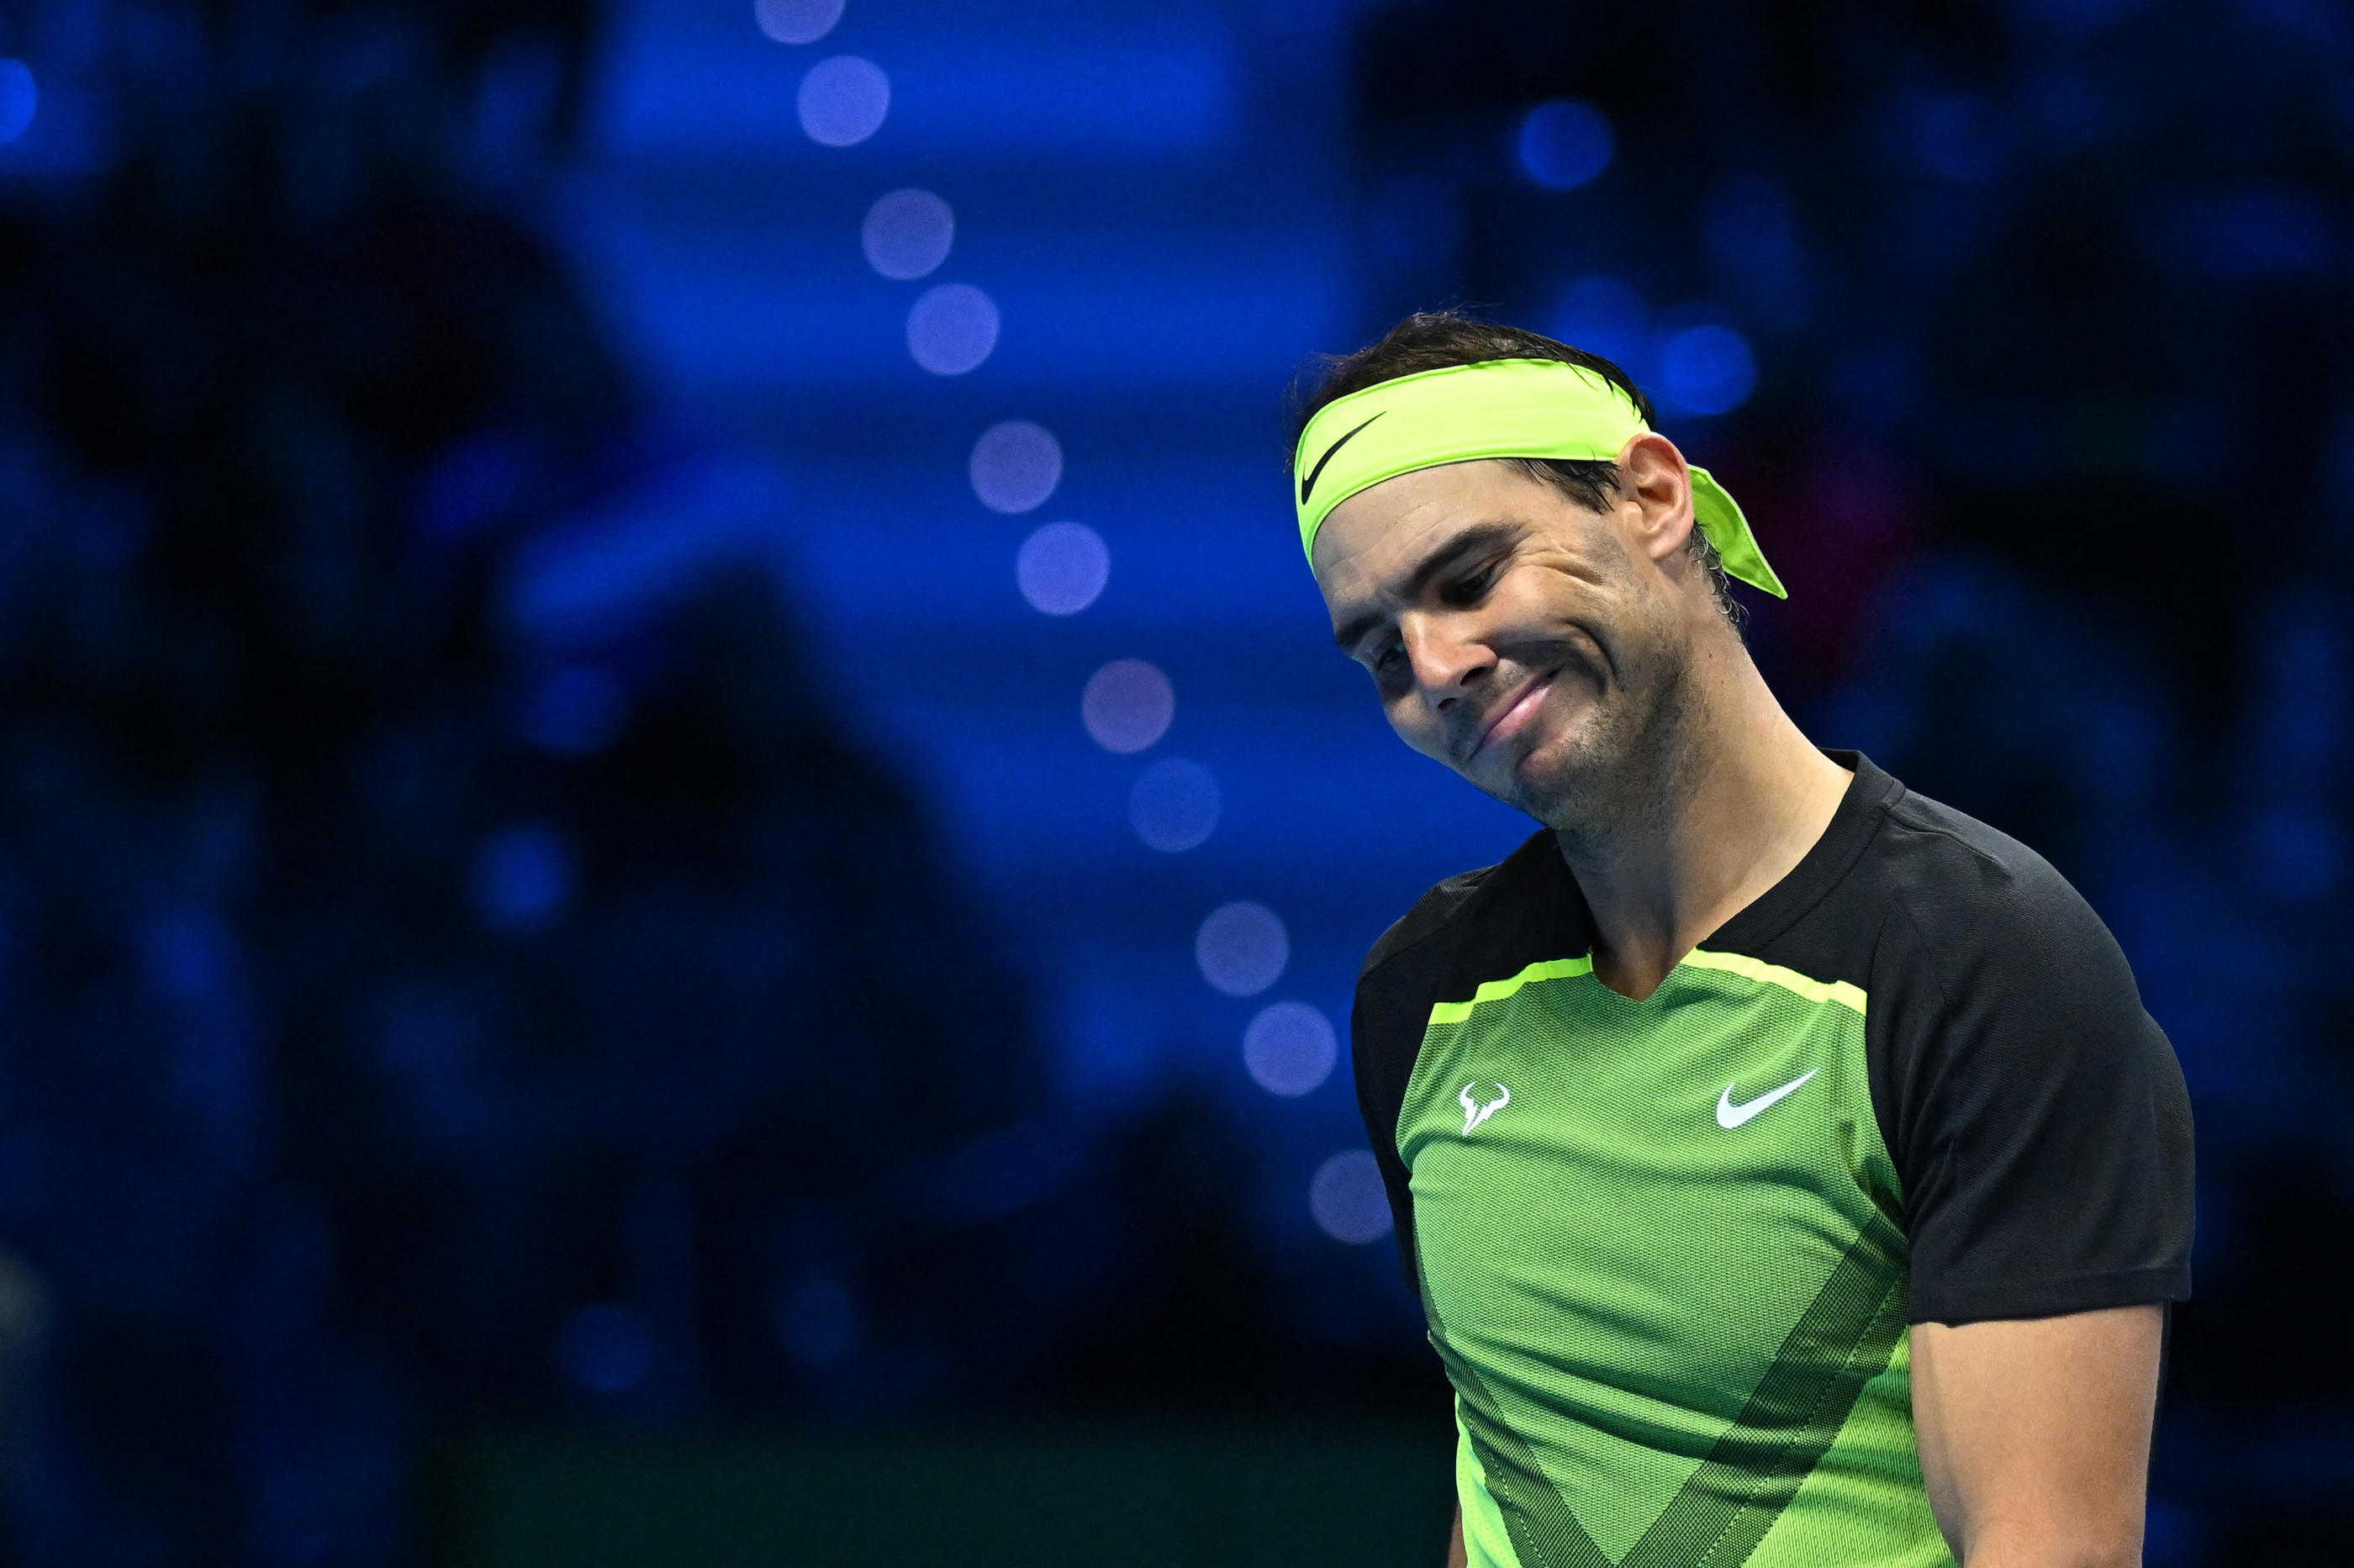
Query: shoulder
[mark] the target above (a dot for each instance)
(1433, 914)
(1975, 897)
(1441, 917)
(1469, 927)
(2034, 1112)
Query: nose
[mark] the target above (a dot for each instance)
(1446, 666)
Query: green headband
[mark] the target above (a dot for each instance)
(1497, 408)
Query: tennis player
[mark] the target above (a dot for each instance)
(1789, 1169)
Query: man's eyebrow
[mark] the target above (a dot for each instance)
(1471, 541)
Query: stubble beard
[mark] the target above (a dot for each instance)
(1626, 769)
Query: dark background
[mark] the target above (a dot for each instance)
(561, 932)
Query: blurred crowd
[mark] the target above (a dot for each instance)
(407, 1022)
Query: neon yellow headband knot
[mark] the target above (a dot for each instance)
(1495, 408)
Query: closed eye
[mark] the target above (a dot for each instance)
(1461, 593)
(1472, 588)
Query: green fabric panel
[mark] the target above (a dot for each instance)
(1725, 1510)
(1659, 1328)
(1486, 1539)
(1791, 1420)
(1545, 1532)
(1865, 1501)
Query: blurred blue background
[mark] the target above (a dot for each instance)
(680, 852)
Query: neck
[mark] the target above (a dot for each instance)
(1731, 801)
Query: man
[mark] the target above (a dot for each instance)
(1789, 1172)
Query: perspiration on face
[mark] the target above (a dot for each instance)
(1465, 588)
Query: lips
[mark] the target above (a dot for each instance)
(1515, 714)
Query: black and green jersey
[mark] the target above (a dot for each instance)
(1669, 1250)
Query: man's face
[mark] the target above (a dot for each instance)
(1524, 642)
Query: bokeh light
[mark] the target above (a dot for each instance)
(1960, 136)
(1346, 1197)
(20, 98)
(1127, 705)
(577, 712)
(1290, 1048)
(843, 99)
(1707, 369)
(818, 1322)
(1062, 568)
(1015, 466)
(906, 234)
(1242, 947)
(797, 21)
(1174, 806)
(1565, 142)
(605, 1349)
(952, 328)
(522, 877)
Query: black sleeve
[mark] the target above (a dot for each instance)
(1380, 1095)
(1401, 978)
(2036, 1114)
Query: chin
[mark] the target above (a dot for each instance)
(1529, 778)
(1559, 797)
(1563, 779)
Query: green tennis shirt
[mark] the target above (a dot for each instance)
(1671, 1250)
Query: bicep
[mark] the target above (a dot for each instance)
(2034, 1433)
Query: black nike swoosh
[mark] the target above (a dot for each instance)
(1310, 482)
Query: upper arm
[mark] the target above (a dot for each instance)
(2041, 1134)
(2035, 1113)
(2034, 1436)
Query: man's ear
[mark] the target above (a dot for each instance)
(1655, 481)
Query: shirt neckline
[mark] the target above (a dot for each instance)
(1824, 865)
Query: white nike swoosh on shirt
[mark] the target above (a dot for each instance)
(1730, 1116)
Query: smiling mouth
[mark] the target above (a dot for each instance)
(1514, 714)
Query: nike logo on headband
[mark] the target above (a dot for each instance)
(1310, 482)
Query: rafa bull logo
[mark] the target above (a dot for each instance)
(1474, 1113)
